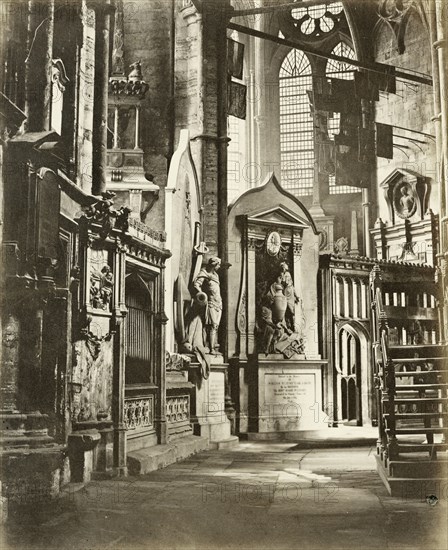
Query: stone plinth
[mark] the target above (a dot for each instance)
(81, 447)
(209, 416)
(290, 394)
(32, 475)
(178, 404)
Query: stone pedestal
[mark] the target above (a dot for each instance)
(81, 447)
(209, 416)
(289, 395)
(178, 404)
(32, 475)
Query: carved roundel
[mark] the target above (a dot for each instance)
(273, 243)
(404, 200)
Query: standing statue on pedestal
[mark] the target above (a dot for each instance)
(208, 291)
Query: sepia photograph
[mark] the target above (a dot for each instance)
(224, 274)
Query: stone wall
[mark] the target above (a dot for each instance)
(147, 38)
(411, 107)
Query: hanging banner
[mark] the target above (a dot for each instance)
(236, 99)
(366, 86)
(349, 170)
(235, 58)
(384, 141)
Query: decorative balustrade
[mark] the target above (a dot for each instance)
(178, 409)
(138, 413)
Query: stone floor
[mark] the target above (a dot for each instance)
(258, 495)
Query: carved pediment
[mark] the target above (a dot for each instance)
(406, 194)
(278, 215)
(276, 206)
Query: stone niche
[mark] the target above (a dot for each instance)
(276, 370)
(201, 396)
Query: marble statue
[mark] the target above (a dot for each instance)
(208, 296)
(407, 202)
(275, 334)
(294, 317)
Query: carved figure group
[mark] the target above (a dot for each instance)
(101, 288)
(279, 323)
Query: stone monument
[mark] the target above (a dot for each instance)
(277, 374)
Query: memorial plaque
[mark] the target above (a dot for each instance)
(290, 388)
(216, 392)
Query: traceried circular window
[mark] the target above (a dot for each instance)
(313, 21)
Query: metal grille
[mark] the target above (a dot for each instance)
(139, 322)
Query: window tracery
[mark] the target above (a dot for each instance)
(312, 22)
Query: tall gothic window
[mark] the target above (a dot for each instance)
(345, 71)
(296, 124)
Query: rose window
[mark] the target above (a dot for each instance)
(312, 22)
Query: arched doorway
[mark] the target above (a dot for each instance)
(350, 376)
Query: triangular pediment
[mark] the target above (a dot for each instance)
(400, 174)
(277, 215)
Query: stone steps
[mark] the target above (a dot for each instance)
(153, 458)
(420, 469)
(412, 487)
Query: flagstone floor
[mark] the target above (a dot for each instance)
(256, 496)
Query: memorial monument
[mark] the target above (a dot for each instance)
(277, 375)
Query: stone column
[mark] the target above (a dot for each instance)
(355, 301)
(260, 118)
(337, 296)
(222, 236)
(103, 11)
(354, 248)
(252, 173)
(441, 12)
(161, 320)
(366, 220)
(346, 297)
(119, 358)
(251, 294)
(38, 65)
(364, 290)
(297, 274)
